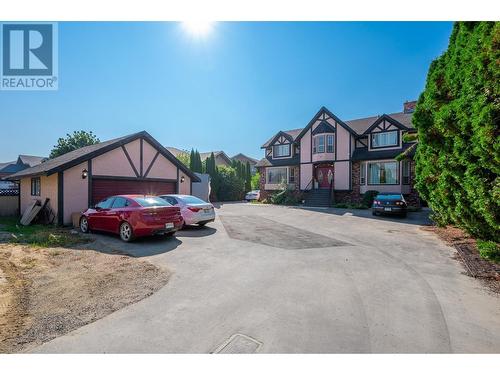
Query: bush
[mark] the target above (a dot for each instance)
(229, 187)
(489, 250)
(368, 198)
(457, 116)
(286, 197)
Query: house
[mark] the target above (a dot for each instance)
(176, 151)
(11, 167)
(133, 164)
(347, 158)
(221, 158)
(244, 159)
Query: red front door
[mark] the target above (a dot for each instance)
(324, 175)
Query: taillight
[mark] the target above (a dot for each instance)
(194, 209)
(376, 202)
(400, 203)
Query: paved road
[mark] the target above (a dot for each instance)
(288, 280)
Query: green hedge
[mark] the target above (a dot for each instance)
(457, 117)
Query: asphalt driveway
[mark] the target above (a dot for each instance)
(286, 280)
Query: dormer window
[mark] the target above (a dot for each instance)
(385, 139)
(280, 151)
(323, 143)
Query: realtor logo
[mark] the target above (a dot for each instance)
(29, 56)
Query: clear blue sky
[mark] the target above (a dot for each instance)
(230, 90)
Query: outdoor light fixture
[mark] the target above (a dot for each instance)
(85, 173)
(182, 179)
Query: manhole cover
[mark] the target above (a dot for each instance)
(239, 344)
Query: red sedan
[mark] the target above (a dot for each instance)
(132, 216)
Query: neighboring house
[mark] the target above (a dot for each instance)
(244, 159)
(221, 159)
(22, 162)
(133, 164)
(346, 157)
(176, 152)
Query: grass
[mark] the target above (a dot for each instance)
(38, 235)
(489, 250)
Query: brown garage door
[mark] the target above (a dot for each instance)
(108, 187)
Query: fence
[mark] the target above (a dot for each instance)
(9, 202)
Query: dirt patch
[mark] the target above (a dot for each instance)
(45, 293)
(468, 255)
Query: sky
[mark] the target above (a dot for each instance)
(230, 88)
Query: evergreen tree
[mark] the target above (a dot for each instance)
(191, 160)
(248, 177)
(457, 118)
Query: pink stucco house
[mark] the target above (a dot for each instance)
(334, 159)
(133, 164)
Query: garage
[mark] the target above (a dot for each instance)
(102, 188)
(133, 164)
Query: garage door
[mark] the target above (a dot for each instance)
(108, 187)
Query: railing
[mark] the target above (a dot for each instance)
(310, 184)
(331, 194)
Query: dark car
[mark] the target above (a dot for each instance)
(389, 203)
(132, 216)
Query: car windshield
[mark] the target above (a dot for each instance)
(151, 202)
(389, 196)
(192, 200)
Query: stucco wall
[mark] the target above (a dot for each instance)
(75, 191)
(134, 151)
(48, 189)
(305, 147)
(112, 163)
(341, 178)
(323, 156)
(306, 172)
(343, 140)
(163, 168)
(184, 187)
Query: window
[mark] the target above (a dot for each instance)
(170, 200)
(362, 174)
(406, 172)
(329, 143)
(277, 175)
(35, 186)
(105, 203)
(192, 200)
(319, 144)
(383, 173)
(291, 175)
(152, 202)
(120, 202)
(280, 151)
(385, 139)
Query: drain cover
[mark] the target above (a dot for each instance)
(239, 344)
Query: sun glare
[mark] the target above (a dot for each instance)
(197, 27)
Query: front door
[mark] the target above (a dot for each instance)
(324, 176)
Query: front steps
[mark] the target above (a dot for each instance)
(318, 198)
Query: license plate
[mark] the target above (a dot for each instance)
(387, 209)
(169, 225)
(207, 210)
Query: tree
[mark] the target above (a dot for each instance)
(184, 158)
(191, 160)
(256, 181)
(73, 142)
(230, 187)
(248, 177)
(457, 117)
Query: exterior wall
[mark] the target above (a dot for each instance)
(342, 144)
(219, 160)
(163, 168)
(112, 163)
(305, 148)
(9, 205)
(48, 189)
(323, 156)
(75, 191)
(306, 174)
(184, 187)
(341, 179)
(148, 154)
(353, 195)
(134, 151)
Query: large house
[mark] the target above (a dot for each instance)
(335, 160)
(11, 167)
(244, 159)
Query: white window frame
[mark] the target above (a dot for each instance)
(362, 174)
(384, 135)
(328, 137)
(274, 168)
(369, 179)
(288, 145)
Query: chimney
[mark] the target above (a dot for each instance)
(409, 107)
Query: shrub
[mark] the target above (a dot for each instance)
(229, 186)
(457, 116)
(286, 196)
(489, 250)
(368, 198)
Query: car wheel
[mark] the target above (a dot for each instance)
(84, 224)
(126, 233)
(202, 224)
(169, 234)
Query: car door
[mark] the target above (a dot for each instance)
(97, 220)
(114, 215)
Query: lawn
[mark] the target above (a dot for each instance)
(38, 235)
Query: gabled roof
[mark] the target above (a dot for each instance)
(205, 155)
(243, 158)
(176, 151)
(361, 125)
(385, 117)
(82, 154)
(31, 160)
(290, 134)
(330, 114)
